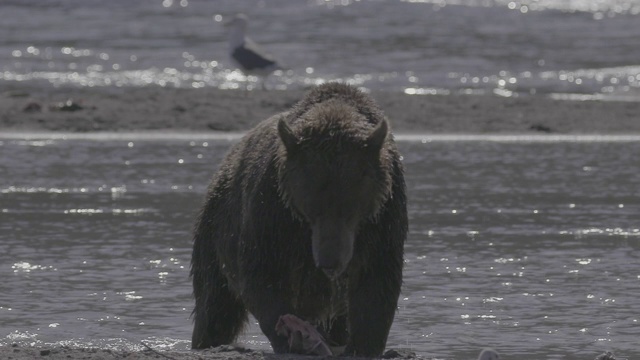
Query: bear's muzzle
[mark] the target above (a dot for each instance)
(332, 246)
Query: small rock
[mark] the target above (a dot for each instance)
(399, 354)
(179, 108)
(228, 348)
(45, 352)
(32, 107)
(221, 126)
(606, 356)
(541, 128)
(16, 94)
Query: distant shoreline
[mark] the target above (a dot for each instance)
(156, 109)
(218, 136)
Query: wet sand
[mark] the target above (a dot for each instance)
(203, 110)
(17, 352)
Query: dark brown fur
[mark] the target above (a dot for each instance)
(306, 216)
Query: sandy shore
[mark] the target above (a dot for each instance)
(17, 352)
(202, 110)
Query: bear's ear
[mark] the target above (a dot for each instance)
(378, 135)
(289, 139)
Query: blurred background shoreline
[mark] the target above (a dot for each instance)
(568, 50)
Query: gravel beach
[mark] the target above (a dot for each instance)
(200, 110)
(16, 352)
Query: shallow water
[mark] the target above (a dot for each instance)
(578, 49)
(530, 246)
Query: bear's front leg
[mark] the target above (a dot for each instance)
(372, 307)
(267, 308)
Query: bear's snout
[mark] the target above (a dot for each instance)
(332, 246)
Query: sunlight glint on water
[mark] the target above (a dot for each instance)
(525, 246)
(579, 50)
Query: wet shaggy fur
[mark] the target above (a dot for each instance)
(306, 216)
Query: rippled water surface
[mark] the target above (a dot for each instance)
(531, 247)
(568, 49)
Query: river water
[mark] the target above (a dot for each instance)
(566, 49)
(530, 245)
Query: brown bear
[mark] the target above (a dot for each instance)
(306, 216)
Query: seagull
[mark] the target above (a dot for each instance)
(245, 53)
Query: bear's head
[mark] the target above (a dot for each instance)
(334, 174)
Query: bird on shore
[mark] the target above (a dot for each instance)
(245, 53)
